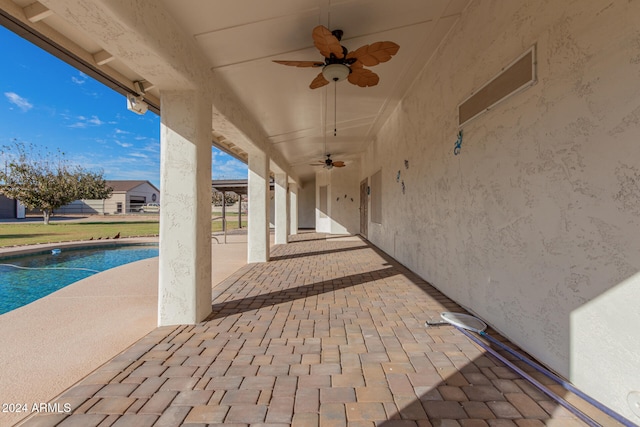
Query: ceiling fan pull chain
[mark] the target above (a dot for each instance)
(335, 108)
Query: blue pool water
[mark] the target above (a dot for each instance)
(46, 273)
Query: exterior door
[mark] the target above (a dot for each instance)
(364, 214)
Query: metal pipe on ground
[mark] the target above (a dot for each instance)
(577, 412)
(464, 323)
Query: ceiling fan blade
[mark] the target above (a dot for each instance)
(326, 42)
(301, 63)
(319, 81)
(363, 77)
(373, 54)
(339, 164)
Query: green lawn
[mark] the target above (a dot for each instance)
(12, 234)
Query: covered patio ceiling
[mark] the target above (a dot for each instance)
(238, 42)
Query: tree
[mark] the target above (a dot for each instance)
(46, 181)
(216, 198)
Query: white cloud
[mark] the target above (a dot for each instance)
(152, 147)
(83, 122)
(123, 144)
(121, 167)
(94, 120)
(79, 80)
(229, 169)
(18, 101)
(225, 166)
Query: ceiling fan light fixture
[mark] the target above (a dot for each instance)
(335, 72)
(340, 63)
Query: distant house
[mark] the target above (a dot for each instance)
(127, 197)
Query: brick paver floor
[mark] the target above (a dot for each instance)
(330, 332)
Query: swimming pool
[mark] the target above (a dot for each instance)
(24, 279)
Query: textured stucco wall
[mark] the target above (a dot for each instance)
(307, 205)
(342, 212)
(345, 196)
(537, 219)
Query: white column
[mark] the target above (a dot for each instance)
(184, 289)
(282, 218)
(258, 218)
(293, 208)
(288, 203)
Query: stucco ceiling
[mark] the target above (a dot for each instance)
(239, 39)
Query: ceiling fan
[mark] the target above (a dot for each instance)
(339, 63)
(328, 163)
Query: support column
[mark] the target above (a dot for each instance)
(224, 215)
(184, 288)
(282, 217)
(293, 208)
(288, 220)
(258, 216)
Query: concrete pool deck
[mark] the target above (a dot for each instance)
(51, 344)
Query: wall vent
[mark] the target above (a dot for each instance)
(517, 76)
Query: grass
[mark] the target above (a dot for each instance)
(229, 213)
(15, 234)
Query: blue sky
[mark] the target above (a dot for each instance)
(46, 102)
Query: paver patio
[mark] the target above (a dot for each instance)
(330, 332)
